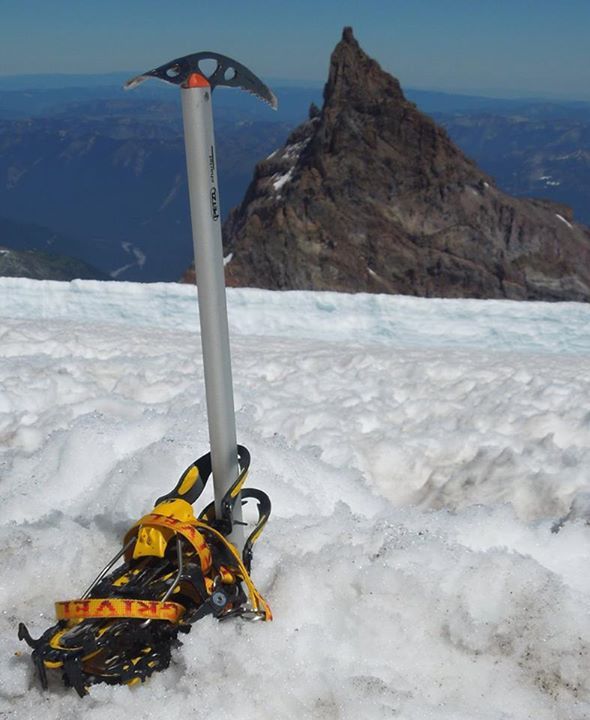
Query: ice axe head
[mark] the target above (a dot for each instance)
(226, 72)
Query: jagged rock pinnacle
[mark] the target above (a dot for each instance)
(354, 76)
(371, 195)
(348, 36)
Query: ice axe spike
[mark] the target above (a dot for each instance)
(227, 73)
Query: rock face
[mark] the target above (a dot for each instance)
(370, 195)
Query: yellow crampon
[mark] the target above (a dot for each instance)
(176, 569)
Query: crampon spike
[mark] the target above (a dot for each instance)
(24, 634)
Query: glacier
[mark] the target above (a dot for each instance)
(421, 455)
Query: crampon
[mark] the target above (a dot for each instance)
(175, 569)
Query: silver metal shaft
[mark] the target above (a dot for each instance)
(206, 224)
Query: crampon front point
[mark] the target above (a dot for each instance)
(176, 568)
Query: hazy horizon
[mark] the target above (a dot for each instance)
(528, 48)
(50, 81)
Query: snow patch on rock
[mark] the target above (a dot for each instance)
(279, 180)
(560, 217)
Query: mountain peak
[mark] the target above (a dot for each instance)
(348, 36)
(354, 76)
(371, 195)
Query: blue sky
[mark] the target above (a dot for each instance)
(499, 47)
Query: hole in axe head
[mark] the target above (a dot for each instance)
(229, 74)
(207, 66)
(173, 71)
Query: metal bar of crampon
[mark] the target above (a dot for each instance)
(196, 88)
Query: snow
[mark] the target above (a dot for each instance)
(294, 150)
(418, 453)
(281, 179)
(291, 153)
(560, 217)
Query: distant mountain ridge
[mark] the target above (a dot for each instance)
(529, 154)
(371, 195)
(39, 265)
(21, 254)
(105, 169)
(111, 178)
(62, 87)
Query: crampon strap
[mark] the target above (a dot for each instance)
(98, 608)
(187, 529)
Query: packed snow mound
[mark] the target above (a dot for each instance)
(367, 319)
(419, 455)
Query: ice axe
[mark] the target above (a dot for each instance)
(196, 87)
(176, 567)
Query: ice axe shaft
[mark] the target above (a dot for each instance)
(196, 90)
(201, 164)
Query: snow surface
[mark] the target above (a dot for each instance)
(420, 455)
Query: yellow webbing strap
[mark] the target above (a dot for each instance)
(186, 529)
(259, 604)
(196, 539)
(118, 608)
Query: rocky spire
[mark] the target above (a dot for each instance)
(371, 195)
(354, 76)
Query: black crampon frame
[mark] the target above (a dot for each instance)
(176, 569)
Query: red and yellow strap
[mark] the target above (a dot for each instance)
(97, 608)
(197, 540)
(186, 529)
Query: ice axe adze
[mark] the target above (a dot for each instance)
(196, 86)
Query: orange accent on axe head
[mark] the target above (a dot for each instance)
(195, 80)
